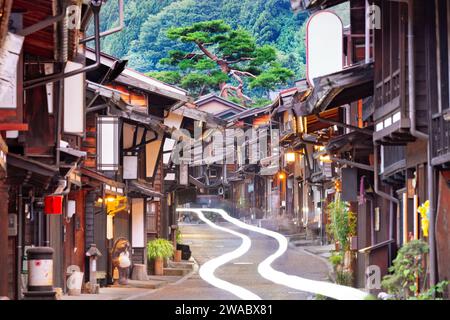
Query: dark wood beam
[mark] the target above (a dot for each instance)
(34, 166)
(153, 89)
(199, 115)
(13, 126)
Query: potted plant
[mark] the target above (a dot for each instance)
(407, 278)
(178, 252)
(158, 250)
(344, 226)
(340, 225)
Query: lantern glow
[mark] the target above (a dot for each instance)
(290, 157)
(325, 159)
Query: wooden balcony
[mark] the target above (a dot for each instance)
(393, 165)
(391, 115)
(391, 96)
(440, 139)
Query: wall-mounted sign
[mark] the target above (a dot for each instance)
(108, 143)
(71, 208)
(377, 219)
(9, 60)
(74, 100)
(12, 225)
(324, 45)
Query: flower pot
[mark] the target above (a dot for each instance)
(337, 246)
(159, 266)
(177, 255)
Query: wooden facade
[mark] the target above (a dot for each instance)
(51, 144)
(406, 111)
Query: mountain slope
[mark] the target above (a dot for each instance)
(144, 41)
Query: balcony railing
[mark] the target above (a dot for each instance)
(440, 139)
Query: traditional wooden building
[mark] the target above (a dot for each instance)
(41, 86)
(396, 87)
(129, 125)
(252, 177)
(88, 132)
(218, 106)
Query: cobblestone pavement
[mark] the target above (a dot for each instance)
(207, 243)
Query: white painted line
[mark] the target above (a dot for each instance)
(243, 263)
(265, 269)
(207, 270)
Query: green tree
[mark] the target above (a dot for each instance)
(223, 59)
(143, 42)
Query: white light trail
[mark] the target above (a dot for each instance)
(207, 270)
(265, 269)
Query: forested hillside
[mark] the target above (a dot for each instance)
(144, 41)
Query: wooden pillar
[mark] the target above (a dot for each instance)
(416, 217)
(3, 235)
(405, 218)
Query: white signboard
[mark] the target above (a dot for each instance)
(9, 59)
(137, 223)
(74, 100)
(107, 143)
(324, 45)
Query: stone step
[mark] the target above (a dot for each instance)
(181, 265)
(141, 284)
(297, 237)
(176, 271)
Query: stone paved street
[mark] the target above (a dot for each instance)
(207, 243)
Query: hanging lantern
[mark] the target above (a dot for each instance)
(290, 157)
(53, 205)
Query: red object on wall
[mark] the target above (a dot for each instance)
(53, 204)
